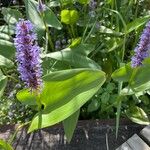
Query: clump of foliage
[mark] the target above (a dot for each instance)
(84, 48)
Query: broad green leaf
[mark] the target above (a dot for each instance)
(137, 23)
(70, 125)
(5, 146)
(33, 15)
(7, 29)
(65, 16)
(74, 16)
(93, 106)
(73, 58)
(137, 115)
(141, 79)
(123, 74)
(7, 49)
(64, 93)
(4, 62)
(83, 49)
(138, 78)
(11, 16)
(3, 83)
(69, 16)
(26, 97)
(51, 19)
(5, 36)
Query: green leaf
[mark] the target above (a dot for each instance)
(51, 19)
(85, 2)
(141, 79)
(64, 93)
(70, 125)
(4, 62)
(65, 16)
(138, 77)
(110, 87)
(26, 97)
(123, 74)
(33, 15)
(110, 32)
(83, 49)
(55, 3)
(74, 16)
(7, 29)
(105, 97)
(69, 16)
(137, 23)
(5, 36)
(74, 58)
(137, 115)
(11, 16)
(7, 49)
(3, 83)
(93, 106)
(5, 146)
(75, 42)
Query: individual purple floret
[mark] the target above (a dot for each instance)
(143, 47)
(41, 7)
(28, 55)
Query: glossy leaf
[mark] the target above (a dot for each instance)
(4, 62)
(5, 146)
(7, 49)
(123, 74)
(73, 57)
(70, 125)
(64, 93)
(51, 19)
(7, 29)
(11, 16)
(69, 16)
(138, 78)
(26, 97)
(33, 15)
(137, 23)
(5, 36)
(138, 115)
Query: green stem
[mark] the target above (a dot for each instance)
(72, 30)
(70, 33)
(12, 78)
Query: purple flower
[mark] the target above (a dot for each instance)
(28, 55)
(143, 47)
(41, 7)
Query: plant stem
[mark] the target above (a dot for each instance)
(48, 33)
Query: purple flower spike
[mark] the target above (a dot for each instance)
(41, 7)
(143, 47)
(28, 55)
